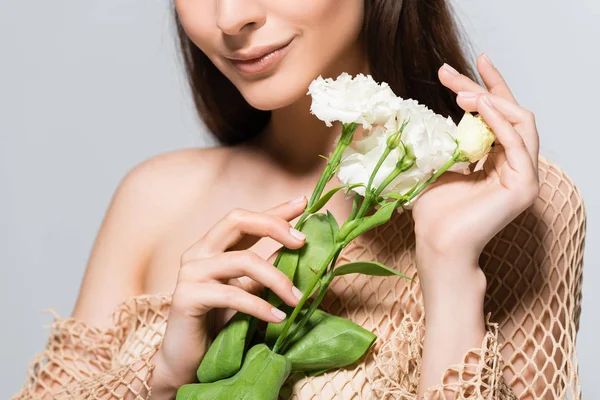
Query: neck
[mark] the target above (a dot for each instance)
(294, 138)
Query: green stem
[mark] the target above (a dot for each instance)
(385, 154)
(313, 307)
(355, 206)
(433, 177)
(344, 141)
(368, 201)
(393, 142)
(307, 294)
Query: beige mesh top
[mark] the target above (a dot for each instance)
(533, 303)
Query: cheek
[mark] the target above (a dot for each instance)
(331, 31)
(198, 21)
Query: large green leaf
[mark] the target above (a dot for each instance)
(260, 378)
(319, 244)
(368, 268)
(224, 356)
(328, 342)
(288, 264)
(274, 330)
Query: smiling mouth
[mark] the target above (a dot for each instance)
(263, 63)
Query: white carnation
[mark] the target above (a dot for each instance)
(346, 99)
(429, 135)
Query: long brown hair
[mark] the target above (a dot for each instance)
(407, 41)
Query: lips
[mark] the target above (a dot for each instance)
(258, 51)
(260, 58)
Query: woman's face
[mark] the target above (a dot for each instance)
(272, 49)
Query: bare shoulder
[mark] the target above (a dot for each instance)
(164, 174)
(148, 198)
(162, 186)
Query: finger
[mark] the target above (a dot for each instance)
(493, 80)
(515, 150)
(284, 210)
(247, 284)
(515, 114)
(199, 298)
(281, 211)
(498, 159)
(239, 222)
(235, 264)
(457, 82)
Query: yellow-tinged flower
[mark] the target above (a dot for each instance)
(474, 137)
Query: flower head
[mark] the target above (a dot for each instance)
(346, 99)
(430, 135)
(474, 137)
(427, 136)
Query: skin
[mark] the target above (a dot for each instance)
(189, 221)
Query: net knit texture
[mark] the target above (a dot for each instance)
(532, 310)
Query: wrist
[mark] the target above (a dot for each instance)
(161, 382)
(428, 252)
(450, 280)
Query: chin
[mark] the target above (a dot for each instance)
(276, 91)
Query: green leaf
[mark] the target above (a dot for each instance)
(393, 195)
(260, 378)
(288, 264)
(368, 268)
(327, 196)
(224, 356)
(333, 223)
(274, 329)
(381, 216)
(328, 342)
(319, 244)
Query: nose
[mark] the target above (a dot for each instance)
(236, 16)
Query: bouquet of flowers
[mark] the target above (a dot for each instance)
(404, 148)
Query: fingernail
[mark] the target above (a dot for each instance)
(280, 315)
(298, 200)
(297, 234)
(487, 59)
(450, 69)
(468, 95)
(297, 293)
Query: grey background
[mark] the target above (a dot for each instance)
(89, 89)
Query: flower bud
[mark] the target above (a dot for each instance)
(474, 137)
(393, 140)
(408, 160)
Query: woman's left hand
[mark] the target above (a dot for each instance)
(458, 215)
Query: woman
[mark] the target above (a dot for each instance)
(186, 223)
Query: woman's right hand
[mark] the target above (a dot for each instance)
(208, 279)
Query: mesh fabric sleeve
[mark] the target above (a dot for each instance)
(534, 274)
(83, 362)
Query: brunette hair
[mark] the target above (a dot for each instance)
(406, 40)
